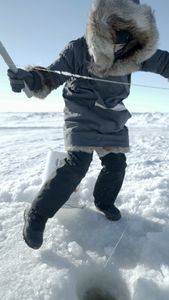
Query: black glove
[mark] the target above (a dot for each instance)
(17, 80)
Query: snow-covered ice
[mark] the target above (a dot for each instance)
(72, 263)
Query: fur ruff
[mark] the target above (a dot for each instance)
(109, 16)
(101, 151)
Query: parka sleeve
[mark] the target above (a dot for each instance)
(158, 63)
(46, 81)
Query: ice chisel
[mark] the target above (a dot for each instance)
(12, 66)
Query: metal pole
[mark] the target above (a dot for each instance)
(12, 66)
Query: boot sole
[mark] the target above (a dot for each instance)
(115, 219)
(26, 241)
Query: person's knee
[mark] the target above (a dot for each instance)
(114, 162)
(79, 162)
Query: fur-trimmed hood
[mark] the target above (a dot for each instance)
(106, 18)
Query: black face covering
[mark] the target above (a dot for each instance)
(136, 1)
(123, 37)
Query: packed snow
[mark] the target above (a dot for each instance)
(85, 256)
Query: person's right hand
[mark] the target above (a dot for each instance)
(17, 80)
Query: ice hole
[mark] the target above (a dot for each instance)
(96, 283)
(97, 294)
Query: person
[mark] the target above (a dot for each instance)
(121, 38)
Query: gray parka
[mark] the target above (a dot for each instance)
(93, 117)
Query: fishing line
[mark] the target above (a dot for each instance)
(165, 157)
(108, 81)
(116, 246)
(68, 74)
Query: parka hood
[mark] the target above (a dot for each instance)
(107, 17)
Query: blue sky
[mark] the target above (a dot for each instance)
(34, 32)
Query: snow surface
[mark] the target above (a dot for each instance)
(81, 255)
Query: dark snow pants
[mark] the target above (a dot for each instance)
(57, 191)
(110, 180)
